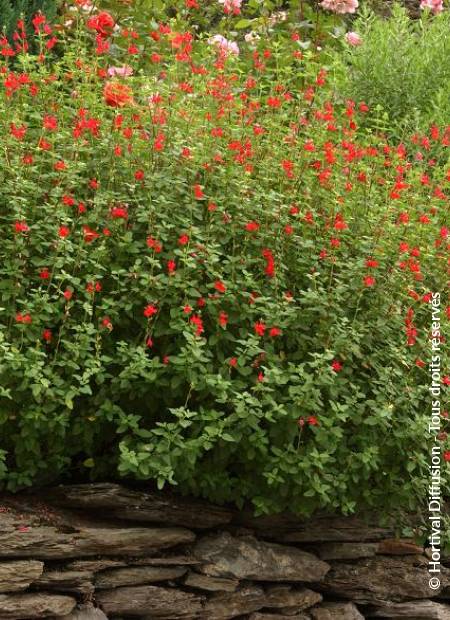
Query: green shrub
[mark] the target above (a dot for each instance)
(212, 277)
(401, 68)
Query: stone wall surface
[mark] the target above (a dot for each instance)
(103, 551)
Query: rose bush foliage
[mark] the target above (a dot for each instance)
(211, 275)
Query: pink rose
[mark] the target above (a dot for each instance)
(436, 6)
(224, 45)
(353, 38)
(340, 6)
(231, 6)
(124, 71)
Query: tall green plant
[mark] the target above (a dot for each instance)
(401, 67)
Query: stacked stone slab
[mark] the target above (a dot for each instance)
(103, 551)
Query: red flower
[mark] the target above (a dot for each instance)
(89, 234)
(92, 287)
(197, 321)
(171, 266)
(260, 328)
(446, 456)
(220, 286)
(223, 319)
(68, 200)
(339, 223)
(68, 294)
(369, 281)
(273, 102)
(117, 95)
(370, 262)
(252, 226)
(274, 332)
(44, 145)
(139, 175)
(106, 322)
(103, 23)
(270, 263)
(312, 421)
(47, 335)
(336, 366)
(183, 239)
(18, 132)
(50, 122)
(23, 318)
(44, 274)
(63, 232)
(233, 362)
(21, 227)
(198, 192)
(154, 245)
(150, 310)
(119, 213)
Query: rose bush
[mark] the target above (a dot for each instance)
(211, 275)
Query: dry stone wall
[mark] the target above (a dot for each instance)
(103, 551)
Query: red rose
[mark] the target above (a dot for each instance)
(103, 23)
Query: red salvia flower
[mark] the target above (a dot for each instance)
(259, 328)
(150, 310)
(220, 286)
(270, 263)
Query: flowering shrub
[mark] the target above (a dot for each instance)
(211, 275)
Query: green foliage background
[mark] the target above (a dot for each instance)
(402, 68)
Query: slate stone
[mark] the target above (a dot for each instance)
(248, 558)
